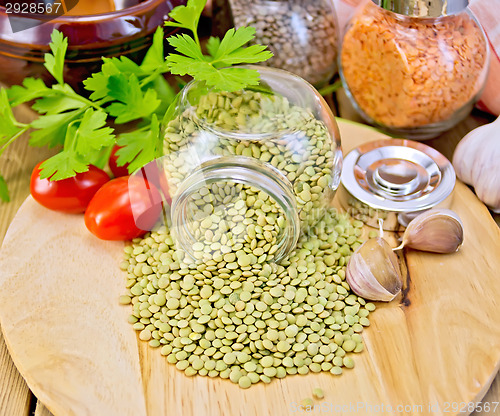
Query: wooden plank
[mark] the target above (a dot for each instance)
(16, 165)
(428, 341)
(41, 410)
(14, 393)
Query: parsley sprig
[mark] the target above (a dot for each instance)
(123, 91)
(216, 67)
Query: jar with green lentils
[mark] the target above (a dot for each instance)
(250, 171)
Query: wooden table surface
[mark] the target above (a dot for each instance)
(16, 165)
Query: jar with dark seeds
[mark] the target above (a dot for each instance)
(302, 34)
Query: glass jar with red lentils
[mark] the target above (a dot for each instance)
(414, 68)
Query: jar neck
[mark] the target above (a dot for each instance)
(237, 170)
(421, 8)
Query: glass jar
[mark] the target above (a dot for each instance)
(302, 34)
(248, 171)
(414, 69)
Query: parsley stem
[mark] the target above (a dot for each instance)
(14, 138)
(196, 38)
(151, 77)
(71, 134)
(330, 88)
(88, 102)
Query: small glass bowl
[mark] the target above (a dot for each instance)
(127, 32)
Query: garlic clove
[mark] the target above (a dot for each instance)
(373, 271)
(437, 230)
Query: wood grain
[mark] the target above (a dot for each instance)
(443, 346)
(16, 165)
(491, 399)
(41, 410)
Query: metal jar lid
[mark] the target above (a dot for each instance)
(423, 8)
(395, 176)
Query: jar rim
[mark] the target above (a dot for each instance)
(244, 170)
(423, 9)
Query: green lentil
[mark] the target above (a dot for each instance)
(307, 403)
(244, 382)
(348, 362)
(318, 393)
(337, 371)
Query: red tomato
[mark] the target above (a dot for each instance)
(123, 209)
(153, 172)
(70, 195)
(117, 170)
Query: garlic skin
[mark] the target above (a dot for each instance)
(437, 230)
(373, 271)
(476, 162)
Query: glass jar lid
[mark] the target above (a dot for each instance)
(398, 175)
(423, 8)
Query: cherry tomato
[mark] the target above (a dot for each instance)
(70, 195)
(117, 170)
(154, 172)
(123, 209)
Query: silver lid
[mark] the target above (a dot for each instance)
(423, 8)
(398, 175)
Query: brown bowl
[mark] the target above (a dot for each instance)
(127, 32)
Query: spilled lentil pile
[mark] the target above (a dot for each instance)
(233, 311)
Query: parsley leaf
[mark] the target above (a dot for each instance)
(165, 92)
(4, 191)
(55, 62)
(229, 79)
(57, 103)
(8, 124)
(155, 56)
(215, 69)
(213, 44)
(231, 52)
(65, 164)
(141, 146)
(31, 89)
(98, 82)
(188, 16)
(186, 45)
(133, 103)
(232, 79)
(52, 128)
(91, 136)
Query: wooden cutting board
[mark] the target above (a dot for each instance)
(69, 337)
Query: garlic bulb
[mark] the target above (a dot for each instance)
(373, 271)
(476, 162)
(436, 230)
